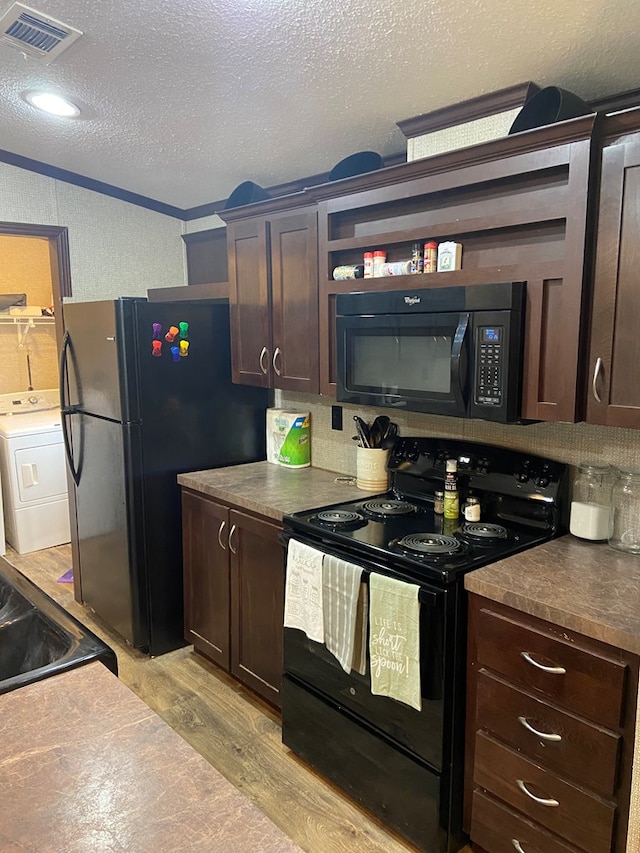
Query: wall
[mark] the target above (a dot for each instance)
(28, 348)
(116, 248)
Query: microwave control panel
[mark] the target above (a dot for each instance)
(489, 388)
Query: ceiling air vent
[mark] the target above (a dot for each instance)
(36, 34)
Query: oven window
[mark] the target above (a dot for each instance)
(410, 361)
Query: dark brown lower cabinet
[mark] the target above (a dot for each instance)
(550, 736)
(234, 591)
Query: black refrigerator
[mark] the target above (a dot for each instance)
(146, 394)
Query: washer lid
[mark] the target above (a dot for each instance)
(30, 423)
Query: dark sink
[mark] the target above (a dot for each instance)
(38, 638)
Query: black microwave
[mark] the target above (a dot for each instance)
(454, 351)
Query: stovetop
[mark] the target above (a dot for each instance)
(522, 498)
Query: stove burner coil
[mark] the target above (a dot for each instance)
(430, 544)
(482, 530)
(339, 517)
(388, 507)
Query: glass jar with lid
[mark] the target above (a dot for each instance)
(625, 512)
(591, 501)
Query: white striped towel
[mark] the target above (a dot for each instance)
(303, 590)
(340, 594)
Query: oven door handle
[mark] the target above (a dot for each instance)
(458, 377)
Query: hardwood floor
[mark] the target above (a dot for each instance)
(230, 727)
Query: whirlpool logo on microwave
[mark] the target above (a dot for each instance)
(412, 300)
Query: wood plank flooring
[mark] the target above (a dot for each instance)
(233, 729)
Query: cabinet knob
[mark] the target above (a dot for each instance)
(277, 353)
(517, 846)
(231, 532)
(264, 351)
(542, 801)
(552, 670)
(223, 524)
(596, 371)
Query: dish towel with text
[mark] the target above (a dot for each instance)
(340, 598)
(394, 639)
(303, 590)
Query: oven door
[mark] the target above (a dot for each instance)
(412, 361)
(426, 733)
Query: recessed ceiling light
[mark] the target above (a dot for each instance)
(54, 104)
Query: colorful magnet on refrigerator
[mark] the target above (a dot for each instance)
(184, 330)
(156, 350)
(157, 330)
(175, 353)
(173, 331)
(184, 349)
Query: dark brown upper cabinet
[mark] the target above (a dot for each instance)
(613, 392)
(518, 205)
(273, 294)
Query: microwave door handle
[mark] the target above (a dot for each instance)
(457, 379)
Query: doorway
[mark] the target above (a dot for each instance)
(51, 243)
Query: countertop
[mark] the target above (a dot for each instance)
(586, 587)
(273, 490)
(86, 765)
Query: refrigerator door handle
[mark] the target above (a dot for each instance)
(65, 408)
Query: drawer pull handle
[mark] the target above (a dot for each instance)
(553, 670)
(517, 846)
(544, 735)
(540, 800)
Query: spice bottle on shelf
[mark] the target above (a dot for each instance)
(430, 262)
(379, 257)
(451, 497)
(417, 261)
(368, 265)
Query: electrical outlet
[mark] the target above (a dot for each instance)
(336, 417)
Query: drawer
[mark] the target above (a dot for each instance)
(498, 829)
(575, 815)
(585, 753)
(592, 684)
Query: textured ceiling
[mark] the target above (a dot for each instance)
(184, 100)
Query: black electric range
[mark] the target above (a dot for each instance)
(405, 765)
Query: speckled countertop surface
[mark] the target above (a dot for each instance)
(86, 765)
(272, 490)
(584, 586)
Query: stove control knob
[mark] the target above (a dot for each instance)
(524, 474)
(413, 453)
(543, 480)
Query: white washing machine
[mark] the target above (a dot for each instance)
(33, 471)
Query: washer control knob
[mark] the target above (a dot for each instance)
(33, 400)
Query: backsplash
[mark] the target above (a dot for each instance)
(334, 450)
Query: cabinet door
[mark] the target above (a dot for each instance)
(249, 302)
(294, 301)
(614, 391)
(206, 576)
(257, 604)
